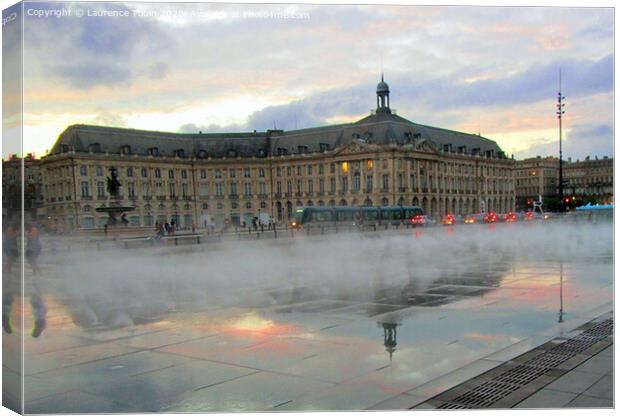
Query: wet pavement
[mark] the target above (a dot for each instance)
(180, 339)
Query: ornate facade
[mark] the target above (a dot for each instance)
(381, 159)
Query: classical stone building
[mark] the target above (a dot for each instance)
(382, 159)
(12, 189)
(587, 180)
(533, 177)
(591, 179)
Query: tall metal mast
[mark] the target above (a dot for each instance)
(559, 112)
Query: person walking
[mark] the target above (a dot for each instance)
(33, 246)
(9, 247)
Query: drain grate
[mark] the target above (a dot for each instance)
(506, 383)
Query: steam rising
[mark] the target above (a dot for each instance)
(125, 287)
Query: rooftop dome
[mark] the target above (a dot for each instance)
(382, 86)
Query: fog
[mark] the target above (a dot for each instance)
(117, 288)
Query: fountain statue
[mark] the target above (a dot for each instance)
(114, 206)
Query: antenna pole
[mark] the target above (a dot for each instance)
(560, 111)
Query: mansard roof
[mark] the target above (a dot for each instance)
(380, 128)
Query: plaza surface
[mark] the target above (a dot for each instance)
(210, 330)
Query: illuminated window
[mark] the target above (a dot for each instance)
(345, 167)
(369, 164)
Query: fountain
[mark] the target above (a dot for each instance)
(114, 205)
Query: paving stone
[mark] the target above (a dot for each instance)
(400, 402)
(597, 364)
(546, 399)
(574, 381)
(590, 402)
(603, 388)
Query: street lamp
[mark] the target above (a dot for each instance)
(559, 112)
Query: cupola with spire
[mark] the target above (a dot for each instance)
(383, 97)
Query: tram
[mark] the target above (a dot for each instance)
(360, 216)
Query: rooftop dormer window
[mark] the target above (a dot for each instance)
(95, 147)
(202, 154)
(282, 151)
(179, 153)
(231, 153)
(324, 147)
(125, 149)
(153, 151)
(302, 149)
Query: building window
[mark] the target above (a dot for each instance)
(218, 173)
(368, 183)
(85, 191)
(263, 204)
(218, 189)
(288, 171)
(299, 186)
(246, 172)
(289, 187)
(247, 189)
(279, 188)
(144, 172)
(100, 189)
(320, 169)
(232, 173)
(184, 174)
(345, 184)
(248, 205)
(261, 172)
(234, 205)
(332, 168)
(278, 171)
(99, 171)
(321, 185)
(130, 190)
(146, 189)
(356, 181)
(332, 185)
(203, 174)
(203, 190)
(386, 182)
(261, 188)
(309, 170)
(126, 149)
(153, 151)
(130, 172)
(233, 188)
(171, 189)
(83, 170)
(298, 170)
(170, 173)
(157, 173)
(310, 186)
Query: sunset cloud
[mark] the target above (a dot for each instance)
(221, 67)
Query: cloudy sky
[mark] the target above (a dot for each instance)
(222, 67)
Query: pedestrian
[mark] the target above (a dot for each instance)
(167, 227)
(33, 246)
(9, 247)
(193, 227)
(105, 230)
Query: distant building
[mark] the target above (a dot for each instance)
(12, 188)
(382, 159)
(535, 177)
(591, 179)
(587, 180)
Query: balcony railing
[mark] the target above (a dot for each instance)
(86, 198)
(147, 197)
(161, 197)
(233, 196)
(247, 196)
